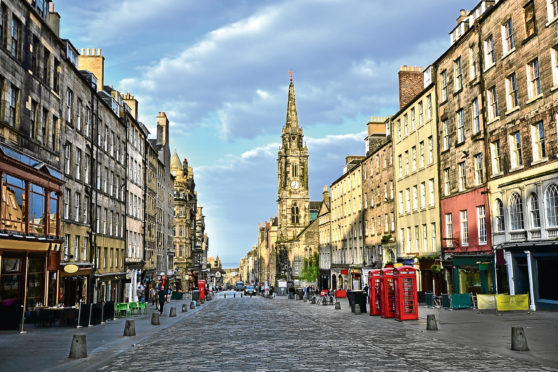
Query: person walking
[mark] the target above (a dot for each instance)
(152, 296)
(162, 299)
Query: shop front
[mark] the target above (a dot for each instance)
(324, 281)
(473, 274)
(110, 287)
(75, 280)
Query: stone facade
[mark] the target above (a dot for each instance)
(324, 231)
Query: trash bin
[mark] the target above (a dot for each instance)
(195, 295)
(177, 295)
(358, 297)
(299, 293)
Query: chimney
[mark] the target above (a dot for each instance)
(92, 61)
(376, 133)
(463, 14)
(325, 194)
(411, 83)
(162, 129)
(54, 20)
(132, 103)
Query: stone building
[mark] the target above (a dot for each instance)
(520, 93)
(462, 122)
(266, 259)
(324, 233)
(185, 209)
(297, 235)
(31, 179)
(416, 182)
(200, 247)
(346, 221)
(380, 246)
(150, 222)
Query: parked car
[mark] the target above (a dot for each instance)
(249, 290)
(239, 286)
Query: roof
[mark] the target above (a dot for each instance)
(315, 205)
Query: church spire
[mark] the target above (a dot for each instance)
(292, 116)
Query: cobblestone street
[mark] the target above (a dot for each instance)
(260, 334)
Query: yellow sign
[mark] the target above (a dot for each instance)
(70, 269)
(510, 303)
(485, 302)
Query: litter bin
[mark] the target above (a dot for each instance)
(358, 297)
(177, 295)
(195, 295)
(299, 293)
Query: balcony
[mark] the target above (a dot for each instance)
(552, 233)
(518, 235)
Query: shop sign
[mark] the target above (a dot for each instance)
(70, 269)
(344, 271)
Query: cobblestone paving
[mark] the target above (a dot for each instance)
(257, 334)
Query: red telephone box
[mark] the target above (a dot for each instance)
(405, 280)
(387, 293)
(374, 292)
(201, 288)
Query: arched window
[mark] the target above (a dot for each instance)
(499, 215)
(551, 202)
(516, 212)
(534, 213)
(294, 214)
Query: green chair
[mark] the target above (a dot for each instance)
(143, 305)
(121, 307)
(134, 307)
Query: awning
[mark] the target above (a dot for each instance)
(9, 244)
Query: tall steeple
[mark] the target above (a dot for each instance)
(292, 116)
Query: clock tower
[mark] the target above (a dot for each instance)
(293, 199)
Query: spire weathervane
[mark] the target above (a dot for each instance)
(290, 75)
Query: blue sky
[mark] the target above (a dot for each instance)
(219, 70)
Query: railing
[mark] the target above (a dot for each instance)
(518, 235)
(552, 232)
(535, 234)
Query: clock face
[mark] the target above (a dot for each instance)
(294, 185)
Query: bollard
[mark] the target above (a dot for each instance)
(314, 300)
(184, 308)
(224, 295)
(103, 313)
(240, 294)
(90, 310)
(172, 312)
(357, 309)
(155, 319)
(202, 301)
(192, 305)
(431, 324)
(518, 339)
(234, 295)
(338, 306)
(305, 299)
(130, 328)
(79, 346)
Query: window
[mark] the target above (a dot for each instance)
(391, 189)
(76, 248)
(515, 150)
(77, 206)
(537, 141)
(551, 204)
(535, 217)
(86, 209)
(458, 75)
(423, 195)
(424, 238)
(78, 164)
(479, 174)
(415, 198)
(507, 37)
(554, 59)
(386, 222)
(512, 97)
(43, 135)
(78, 113)
(87, 125)
(401, 202)
(430, 150)
(399, 130)
(67, 158)
(449, 230)
(54, 132)
(408, 239)
(85, 246)
(414, 158)
(476, 116)
(460, 126)
(86, 169)
(431, 192)
(499, 216)
(57, 70)
(66, 247)
(294, 214)
(399, 158)
(464, 228)
(421, 153)
(416, 238)
(420, 118)
(433, 235)
(444, 87)
(446, 182)
(489, 52)
(412, 119)
(472, 63)
(529, 15)
(533, 79)
(516, 212)
(492, 101)
(14, 105)
(495, 157)
(405, 125)
(66, 203)
(16, 37)
(98, 220)
(552, 9)
(407, 200)
(445, 135)
(69, 105)
(461, 174)
(406, 163)
(481, 225)
(33, 116)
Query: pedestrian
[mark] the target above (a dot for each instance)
(153, 295)
(162, 298)
(141, 293)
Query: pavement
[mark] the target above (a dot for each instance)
(279, 334)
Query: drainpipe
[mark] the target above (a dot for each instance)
(532, 305)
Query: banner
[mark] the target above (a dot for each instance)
(486, 302)
(511, 303)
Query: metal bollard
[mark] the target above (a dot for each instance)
(130, 328)
(90, 309)
(518, 339)
(192, 305)
(102, 312)
(338, 306)
(240, 294)
(21, 331)
(172, 312)
(224, 295)
(79, 346)
(155, 319)
(431, 324)
(184, 308)
(234, 295)
(79, 315)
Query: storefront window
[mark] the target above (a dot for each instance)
(35, 278)
(37, 209)
(53, 213)
(11, 278)
(13, 204)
